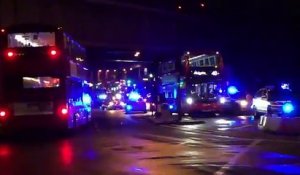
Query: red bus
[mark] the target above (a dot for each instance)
(44, 77)
(194, 83)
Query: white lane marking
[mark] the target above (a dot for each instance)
(182, 141)
(240, 127)
(215, 133)
(162, 137)
(180, 127)
(233, 161)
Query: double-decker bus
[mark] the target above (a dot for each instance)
(44, 77)
(193, 83)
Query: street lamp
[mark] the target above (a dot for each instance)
(137, 54)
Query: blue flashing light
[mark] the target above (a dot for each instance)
(274, 155)
(134, 96)
(232, 90)
(128, 107)
(171, 107)
(283, 168)
(102, 96)
(128, 81)
(175, 93)
(86, 99)
(288, 108)
(285, 86)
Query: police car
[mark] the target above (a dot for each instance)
(272, 98)
(135, 103)
(278, 110)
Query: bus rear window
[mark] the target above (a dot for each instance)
(40, 39)
(40, 82)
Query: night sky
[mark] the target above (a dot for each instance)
(258, 39)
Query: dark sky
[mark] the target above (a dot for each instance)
(259, 39)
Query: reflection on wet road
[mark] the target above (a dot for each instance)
(121, 144)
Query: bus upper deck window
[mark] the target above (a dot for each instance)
(40, 39)
(40, 82)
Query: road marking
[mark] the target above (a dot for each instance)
(162, 137)
(181, 141)
(233, 161)
(215, 133)
(240, 127)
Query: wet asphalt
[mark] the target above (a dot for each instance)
(119, 144)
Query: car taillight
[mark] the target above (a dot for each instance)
(53, 53)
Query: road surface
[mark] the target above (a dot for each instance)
(118, 144)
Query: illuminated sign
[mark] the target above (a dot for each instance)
(199, 73)
(215, 73)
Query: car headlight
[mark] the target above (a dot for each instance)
(122, 104)
(243, 103)
(102, 96)
(189, 100)
(118, 96)
(223, 100)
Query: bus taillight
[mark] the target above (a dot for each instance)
(3, 113)
(10, 54)
(63, 111)
(53, 52)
